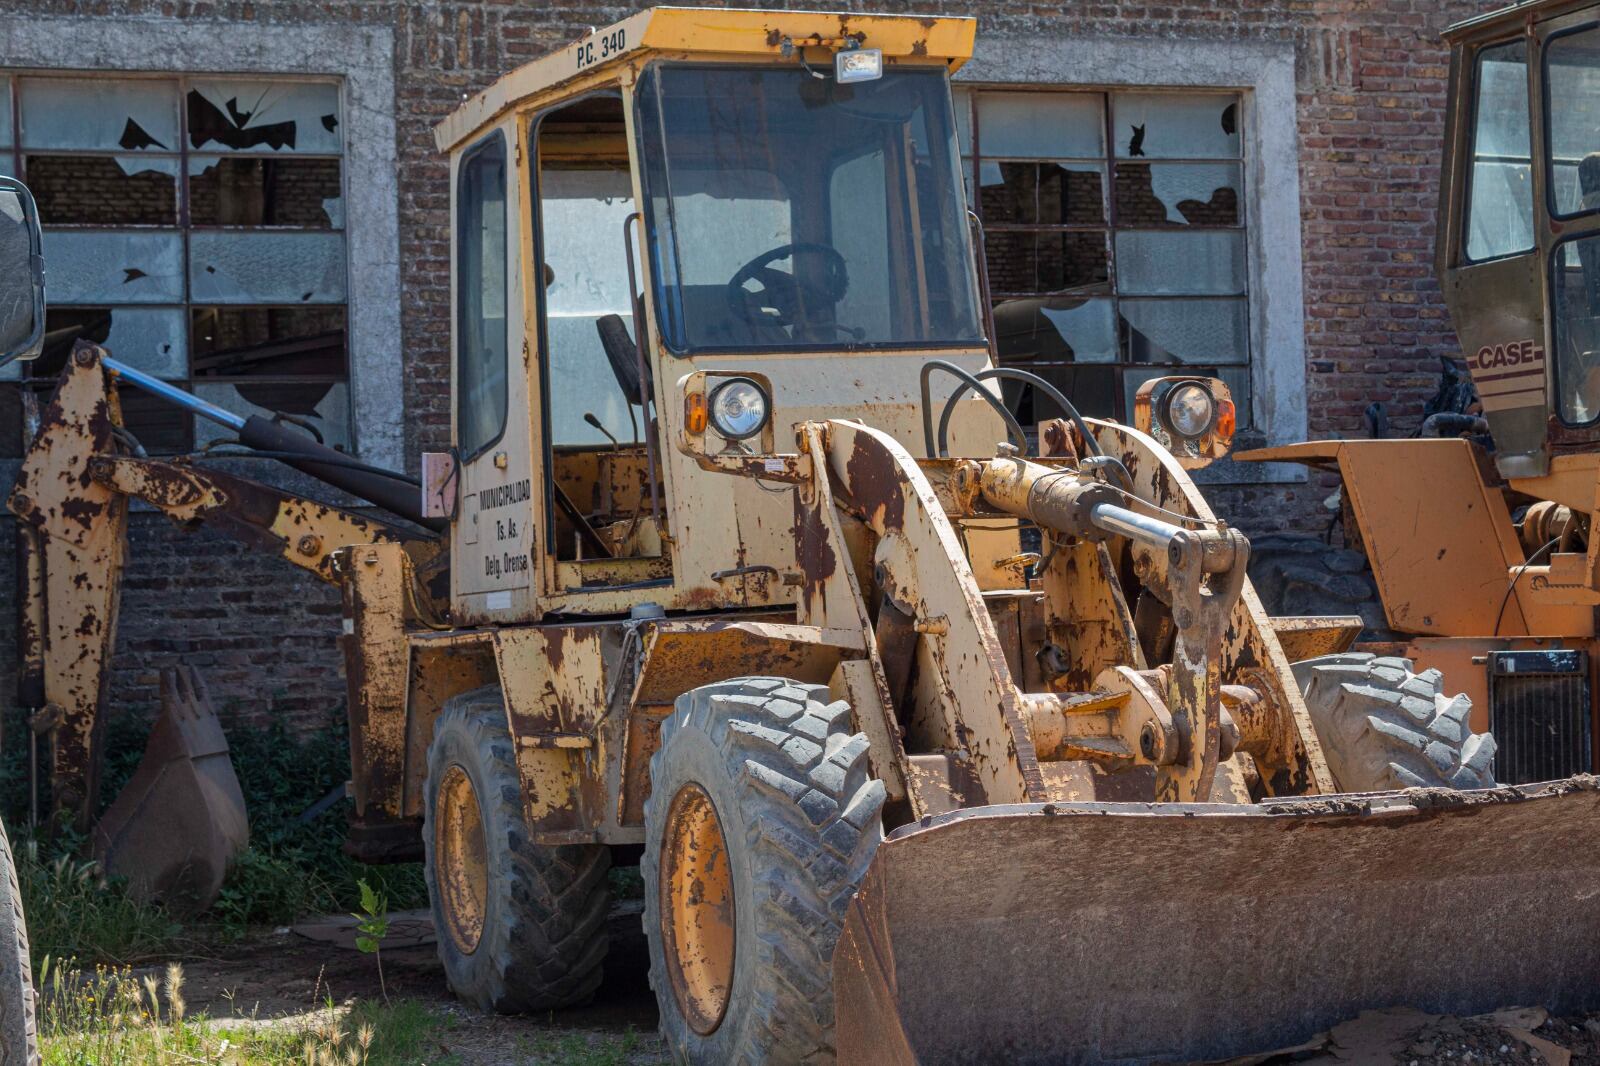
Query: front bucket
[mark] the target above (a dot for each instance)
(1133, 932)
(181, 819)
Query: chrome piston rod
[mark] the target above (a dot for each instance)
(173, 395)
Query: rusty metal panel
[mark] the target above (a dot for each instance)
(1293, 764)
(1308, 636)
(923, 567)
(1439, 539)
(1201, 931)
(684, 654)
(436, 673)
(376, 657)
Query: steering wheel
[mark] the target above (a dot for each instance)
(782, 296)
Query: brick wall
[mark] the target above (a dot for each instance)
(1372, 84)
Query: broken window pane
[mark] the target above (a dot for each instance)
(1041, 125)
(132, 115)
(160, 427)
(1154, 262)
(324, 404)
(284, 341)
(1055, 329)
(252, 191)
(264, 116)
(5, 113)
(1175, 125)
(151, 339)
(110, 266)
(1178, 194)
(1045, 262)
(257, 268)
(1185, 331)
(103, 190)
(1043, 193)
(1091, 389)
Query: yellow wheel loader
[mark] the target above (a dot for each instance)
(1478, 527)
(725, 573)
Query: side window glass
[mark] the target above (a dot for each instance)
(481, 297)
(1575, 278)
(1500, 193)
(1572, 71)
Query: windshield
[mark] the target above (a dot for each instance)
(787, 211)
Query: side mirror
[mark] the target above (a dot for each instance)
(21, 274)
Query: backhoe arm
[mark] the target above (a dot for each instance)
(72, 493)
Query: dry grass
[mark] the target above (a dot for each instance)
(110, 1017)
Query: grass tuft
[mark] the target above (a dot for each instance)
(109, 1016)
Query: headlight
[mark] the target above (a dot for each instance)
(858, 64)
(1189, 410)
(739, 408)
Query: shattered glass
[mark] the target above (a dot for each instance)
(104, 190)
(129, 115)
(1056, 329)
(1178, 262)
(114, 266)
(1170, 125)
(1046, 261)
(324, 404)
(152, 339)
(242, 266)
(255, 191)
(1178, 194)
(1185, 331)
(1040, 125)
(228, 114)
(305, 341)
(1042, 193)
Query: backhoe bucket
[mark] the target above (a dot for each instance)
(1131, 932)
(180, 820)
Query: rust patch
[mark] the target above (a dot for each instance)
(812, 551)
(876, 488)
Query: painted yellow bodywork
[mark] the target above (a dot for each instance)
(1436, 527)
(708, 33)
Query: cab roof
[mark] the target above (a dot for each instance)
(1503, 20)
(708, 32)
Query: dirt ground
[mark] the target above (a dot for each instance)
(285, 974)
(289, 973)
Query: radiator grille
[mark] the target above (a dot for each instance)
(1539, 714)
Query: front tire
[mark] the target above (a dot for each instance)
(761, 821)
(521, 926)
(19, 1037)
(1384, 727)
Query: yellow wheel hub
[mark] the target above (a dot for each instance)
(460, 856)
(697, 909)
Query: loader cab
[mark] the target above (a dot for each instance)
(1519, 225)
(665, 208)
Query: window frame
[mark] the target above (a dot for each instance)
(1471, 158)
(187, 304)
(643, 127)
(1549, 142)
(494, 139)
(1109, 227)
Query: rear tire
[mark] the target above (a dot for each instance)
(19, 1037)
(742, 932)
(1384, 727)
(521, 926)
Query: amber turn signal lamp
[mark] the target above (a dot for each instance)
(1225, 419)
(694, 413)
